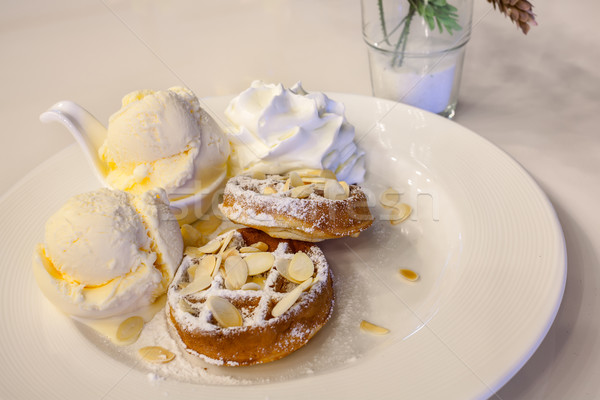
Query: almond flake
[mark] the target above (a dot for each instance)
(282, 265)
(226, 242)
(259, 263)
(211, 247)
(156, 354)
(230, 252)
(290, 298)
(236, 270)
(400, 213)
(262, 246)
(193, 252)
(206, 265)
(249, 249)
(308, 172)
(295, 179)
(199, 283)
(302, 192)
(269, 190)
(372, 328)
(301, 267)
(130, 329)
(186, 306)
(389, 197)
(217, 265)
(334, 191)
(251, 286)
(314, 180)
(191, 271)
(224, 312)
(409, 275)
(346, 188)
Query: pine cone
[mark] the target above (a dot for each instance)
(519, 11)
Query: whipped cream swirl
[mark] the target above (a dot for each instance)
(276, 130)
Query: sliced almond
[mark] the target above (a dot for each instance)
(191, 271)
(230, 252)
(208, 224)
(259, 263)
(224, 312)
(389, 197)
(199, 283)
(295, 179)
(346, 188)
(226, 242)
(251, 286)
(301, 267)
(372, 328)
(193, 252)
(236, 269)
(400, 213)
(302, 192)
(329, 174)
(258, 175)
(286, 185)
(290, 298)
(308, 172)
(269, 190)
(334, 191)
(262, 246)
(156, 354)
(315, 179)
(282, 265)
(211, 247)
(259, 280)
(191, 236)
(186, 306)
(409, 274)
(129, 330)
(249, 249)
(206, 265)
(217, 265)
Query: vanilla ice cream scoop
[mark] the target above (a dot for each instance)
(158, 139)
(165, 139)
(107, 253)
(152, 125)
(276, 130)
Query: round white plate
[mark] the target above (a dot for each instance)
(483, 237)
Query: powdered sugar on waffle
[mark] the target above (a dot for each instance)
(201, 319)
(250, 193)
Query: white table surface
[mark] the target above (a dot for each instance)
(535, 96)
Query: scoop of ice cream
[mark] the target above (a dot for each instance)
(164, 139)
(276, 130)
(108, 252)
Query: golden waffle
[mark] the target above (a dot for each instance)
(305, 211)
(208, 330)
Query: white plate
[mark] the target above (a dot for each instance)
(484, 238)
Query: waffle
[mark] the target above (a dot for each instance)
(260, 336)
(302, 212)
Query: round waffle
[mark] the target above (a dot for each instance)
(267, 319)
(304, 212)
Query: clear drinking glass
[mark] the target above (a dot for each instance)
(410, 60)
